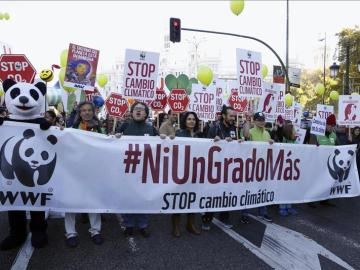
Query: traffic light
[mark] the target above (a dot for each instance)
(175, 30)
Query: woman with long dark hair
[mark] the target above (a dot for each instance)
(189, 127)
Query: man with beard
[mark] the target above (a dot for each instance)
(225, 129)
(137, 126)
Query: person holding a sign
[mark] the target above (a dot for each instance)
(223, 130)
(85, 119)
(189, 127)
(259, 134)
(169, 126)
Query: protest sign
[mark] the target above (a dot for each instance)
(248, 65)
(349, 110)
(203, 101)
(140, 75)
(324, 111)
(269, 100)
(81, 67)
(318, 126)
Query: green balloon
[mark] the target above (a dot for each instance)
(189, 87)
(183, 81)
(171, 82)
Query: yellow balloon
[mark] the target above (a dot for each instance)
(1, 92)
(1, 16)
(237, 6)
(320, 89)
(64, 57)
(289, 99)
(205, 75)
(62, 76)
(334, 95)
(6, 16)
(264, 71)
(102, 80)
(354, 94)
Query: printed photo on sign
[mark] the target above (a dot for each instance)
(318, 126)
(278, 75)
(81, 67)
(140, 75)
(203, 101)
(349, 110)
(248, 65)
(324, 111)
(269, 100)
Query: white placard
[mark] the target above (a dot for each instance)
(318, 126)
(248, 65)
(324, 111)
(349, 110)
(268, 101)
(203, 101)
(140, 75)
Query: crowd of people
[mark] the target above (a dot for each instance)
(136, 122)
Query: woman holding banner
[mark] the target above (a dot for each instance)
(85, 119)
(189, 127)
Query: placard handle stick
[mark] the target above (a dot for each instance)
(114, 125)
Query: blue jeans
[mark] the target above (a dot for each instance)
(284, 206)
(130, 220)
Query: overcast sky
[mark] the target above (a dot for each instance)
(41, 30)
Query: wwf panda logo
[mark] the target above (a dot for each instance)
(28, 159)
(339, 164)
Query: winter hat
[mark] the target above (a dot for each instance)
(331, 120)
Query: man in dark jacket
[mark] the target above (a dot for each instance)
(137, 126)
(225, 129)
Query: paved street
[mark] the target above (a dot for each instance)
(258, 245)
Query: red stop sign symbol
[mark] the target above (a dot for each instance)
(16, 67)
(178, 100)
(116, 105)
(236, 102)
(160, 101)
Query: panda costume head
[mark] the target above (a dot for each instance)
(339, 164)
(24, 100)
(30, 160)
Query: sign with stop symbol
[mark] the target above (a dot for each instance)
(116, 105)
(16, 67)
(178, 100)
(160, 101)
(239, 104)
(89, 95)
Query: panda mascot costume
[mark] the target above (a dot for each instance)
(24, 102)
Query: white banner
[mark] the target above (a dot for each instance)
(84, 172)
(268, 101)
(203, 101)
(349, 110)
(248, 66)
(140, 75)
(324, 111)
